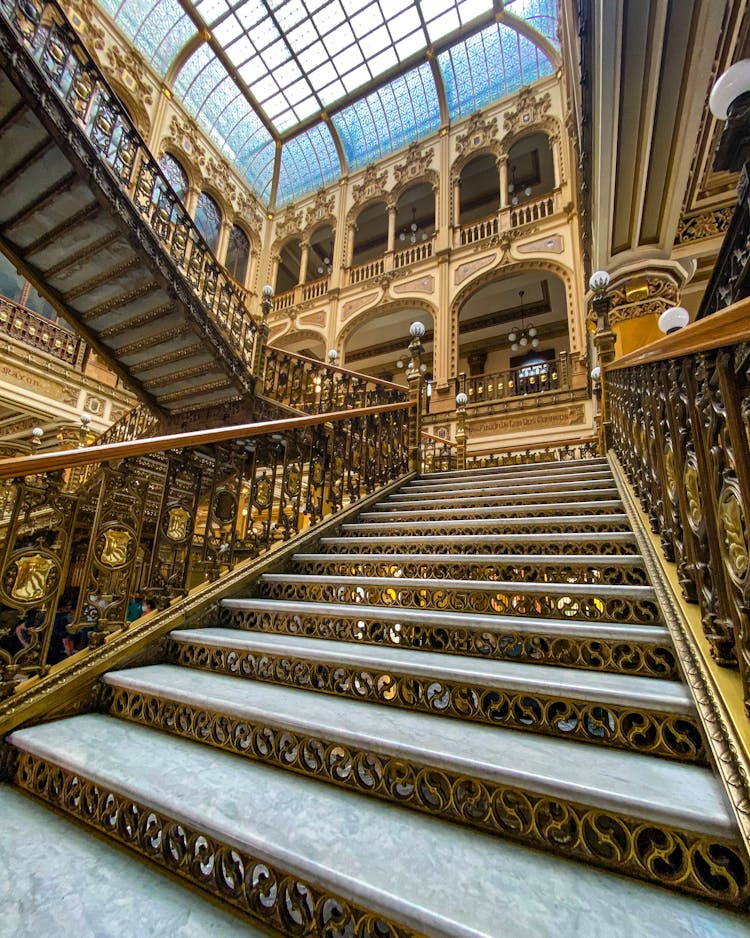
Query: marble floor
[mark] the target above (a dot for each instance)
(57, 880)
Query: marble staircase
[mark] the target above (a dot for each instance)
(462, 714)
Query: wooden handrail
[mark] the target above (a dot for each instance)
(518, 449)
(343, 371)
(66, 459)
(437, 439)
(729, 327)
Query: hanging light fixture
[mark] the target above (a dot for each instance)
(411, 232)
(523, 337)
(512, 187)
(325, 267)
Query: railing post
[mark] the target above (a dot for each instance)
(604, 342)
(415, 379)
(461, 402)
(261, 339)
(564, 371)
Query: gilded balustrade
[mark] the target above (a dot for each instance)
(438, 454)
(163, 514)
(315, 387)
(41, 25)
(680, 418)
(34, 330)
(536, 378)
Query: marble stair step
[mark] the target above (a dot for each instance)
(595, 602)
(541, 468)
(626, 649)
(386, 860)
(543, 483)
(400, 500)
(617, 543)
(582, 568)
(561, 524)
(398, 512)
(687, 797)
(642, 714)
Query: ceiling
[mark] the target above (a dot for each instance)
(298, 93)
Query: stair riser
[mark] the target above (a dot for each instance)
(624, 546)
(256, 886)
(591, 654)
(504, 810)
(528, 570)
(541, 468)
(674, 736)
(554, 602)
(541, 483)
(591, 524)
(394, 513)
(398, 502)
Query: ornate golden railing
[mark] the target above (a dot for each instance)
(680, 413)
(438, 454)
(537, 378)
(583, 448)
(34, 330)
(42, 27)
(315, 387)
(164, 514)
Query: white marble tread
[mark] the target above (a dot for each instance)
(571, 537)
(557, 628)
(600, 687)
(512, 487)
(57, 880)
(430, 875)
(475, 560)
(686, 796)
(497, 523)
(541, 467)
(532, 588)
(448, 510)
(466, 502)
(549, 483)
(522, 473)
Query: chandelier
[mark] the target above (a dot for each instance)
(523, 337)
(412, 232)
(512, 188)
(325, 267)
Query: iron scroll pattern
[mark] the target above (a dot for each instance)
(156, 525)
(692, 863)
(314, 387)
(691, 472)
(671, 735)
(257, 887)
(647, 659)
(65, 65)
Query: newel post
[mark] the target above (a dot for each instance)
(414, 375)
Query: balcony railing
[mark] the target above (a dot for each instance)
(367, 271)
(510, 217)
(301, 293)
(412, 255)
(69, 69)
(516, 382)
(536, 210)
(479, 230)
(29, 327)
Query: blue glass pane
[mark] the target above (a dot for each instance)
(213, 97)
(395, 115)
(157, 28)
(541, 14)
(308, 162)
(489, 66)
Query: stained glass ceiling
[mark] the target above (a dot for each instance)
(340, 83)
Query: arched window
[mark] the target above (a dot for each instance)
(238, 254)
(176, 175)
(208, 220)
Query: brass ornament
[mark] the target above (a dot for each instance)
(692, 488)
(114, 547)
(669, 471)
(31, 577)
(178, 524)
(734, 534)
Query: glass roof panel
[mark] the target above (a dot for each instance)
(488, 66)
(308, 162)
(157, 28)
(390, 118)
(214, 98)
(541, 14)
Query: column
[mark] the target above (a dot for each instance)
(391, 227)
(637, 301)
(304, 254)
(502, 167)
(223, 243)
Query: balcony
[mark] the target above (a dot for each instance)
(42, 334)
(509, 218)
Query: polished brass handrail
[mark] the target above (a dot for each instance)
(338, 368)
(437, 439)
(728, 327)
(68, 459)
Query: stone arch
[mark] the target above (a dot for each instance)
(134, 108)
(551, 127)
(429, 176)
(193, 173)
(505, 272)
(293, 336)
(488, 149)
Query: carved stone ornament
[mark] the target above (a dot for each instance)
(711, 224)
(373, 184)
(321, 208)
(529, 109)
(289, 223)
(479, 133)
(416, 162)
(82, 15)
(186, 136)
(130, 68)
(662, 293)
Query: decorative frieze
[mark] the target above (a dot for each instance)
(480, 132)
(529, 110)
(373, 184)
